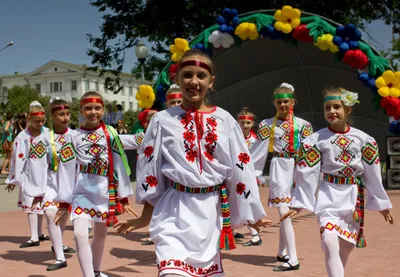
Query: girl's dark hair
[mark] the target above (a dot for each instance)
(335, 90)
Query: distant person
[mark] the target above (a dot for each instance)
(121, 128)
(119, 116)
(6, 142)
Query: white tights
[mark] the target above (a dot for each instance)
(56, 233)
(337, 252)
(35, 225)
(89, 256)
(287, 238)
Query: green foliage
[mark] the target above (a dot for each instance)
(130, 118)
(160, 21)
(19, 99)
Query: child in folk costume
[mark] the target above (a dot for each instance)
(349, 161)
(194, 170)
(133, 142)
(102, 178)
(61, 174)
(29, 170)
(281, 136)
(174, 96)
(246, 118)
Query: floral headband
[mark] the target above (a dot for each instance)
(348, 98)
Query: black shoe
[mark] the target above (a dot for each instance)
(147, 242)
(57, 266)
(283, 259)
(287, 268)
(29, 243)
(44, 237)
(252, 243)
(66, 249)
(239, 236)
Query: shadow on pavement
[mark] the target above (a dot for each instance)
(258, 260)
(16, 240)
(133, 236)
(37, 257)
(143, 257)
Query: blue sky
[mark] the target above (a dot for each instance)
(45, 30)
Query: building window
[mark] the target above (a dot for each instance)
(5, 89)
(130, 91)
(73, 85)
(97, 86)
(87, 85)
(38, 88)
(105, 89)
(56, 86)
(131, 105)
(123, 105)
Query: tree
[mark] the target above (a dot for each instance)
(20, 97)
(160, 21)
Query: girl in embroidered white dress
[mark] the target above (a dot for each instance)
(29, 170)
(281, 136)
(62, 166)
(102, 179)
(194, 160)
(246, 120)
(349, 161)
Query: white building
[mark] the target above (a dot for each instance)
(69, 81)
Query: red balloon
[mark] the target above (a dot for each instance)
(302, 33)
(356, 58)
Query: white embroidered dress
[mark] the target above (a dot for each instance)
(349, 154)
(90, 198)
(197, 150)
(29, 164)
(61, 183)
(281, 168)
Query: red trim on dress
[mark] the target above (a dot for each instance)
(336, 132)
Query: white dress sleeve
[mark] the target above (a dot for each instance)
(132, 142)
(259, 151)
(149, 178)
(124, 183)
(306, 174)
(377, 199)
(20, 153)
(243, 195)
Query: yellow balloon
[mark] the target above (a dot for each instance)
(287, 11)
(396, 78)
(279, 16)
(380, 82)
(278, 25)
(296, 13)
(295, 23)
(384, 92)
(172, 48)
(388, 76)
(394, 92)
(287, 28)
(181, 43)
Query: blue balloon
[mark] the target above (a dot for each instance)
(353, 44)
(337, 40)
(343, 47)
(340, 31)
(394, 128)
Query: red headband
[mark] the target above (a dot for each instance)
(247, 117)
(61, 107)
(91, 100)
(37, 114)
(174, 96)
(195, 63)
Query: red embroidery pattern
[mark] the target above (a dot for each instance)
(278, 200)
(148, 152)
(334, 227)
(241, 190)
(92, 212)
(189, 136)
(191, 270)
(20, 155)
(211, 138)
(27, 208)
(244, 158)
(150, 181)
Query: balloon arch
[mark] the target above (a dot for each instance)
(291, 26)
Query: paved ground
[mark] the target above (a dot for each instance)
(124, 256)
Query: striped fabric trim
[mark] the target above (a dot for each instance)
(183, 188)
(102, 171)
(284, 155)
(353, 180)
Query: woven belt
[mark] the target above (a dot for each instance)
(284, 155)
(102, 171)
(358, 215)
(226, 239)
